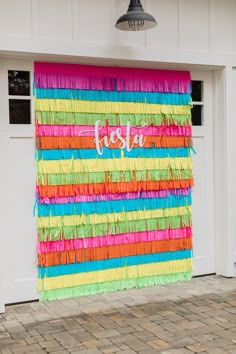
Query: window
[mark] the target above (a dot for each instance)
(197, 101)
(19, 97)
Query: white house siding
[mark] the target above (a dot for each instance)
(189, 31)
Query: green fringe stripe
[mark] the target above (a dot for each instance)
(65, 118)
(113, 286)
(94, 230)
(113, 176)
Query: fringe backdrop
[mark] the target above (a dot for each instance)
(114, 178)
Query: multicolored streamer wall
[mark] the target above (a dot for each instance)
(114, 178)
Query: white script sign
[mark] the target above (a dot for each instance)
(116, 136)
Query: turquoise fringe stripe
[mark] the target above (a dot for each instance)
(115, 206)
(106, 287)
(65, 269)
(114, 96)
(66, 154)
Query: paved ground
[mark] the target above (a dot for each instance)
(194, 317)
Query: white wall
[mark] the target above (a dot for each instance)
(194, 31)
(233, 159)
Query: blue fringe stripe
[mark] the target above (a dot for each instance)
(114, 206)
(59, 270)
(65, 154)
(115, 96)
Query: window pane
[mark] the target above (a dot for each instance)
(18, 83)
(197, 91)
(19, 111)
(197, 115)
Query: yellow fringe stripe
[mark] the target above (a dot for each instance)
(54, 105)
(102, 165)
(137, 271)
(73, 220)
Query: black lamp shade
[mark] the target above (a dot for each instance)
(135, 19)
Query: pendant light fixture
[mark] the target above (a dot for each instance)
(135, 19)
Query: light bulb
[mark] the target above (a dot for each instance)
(136, 25)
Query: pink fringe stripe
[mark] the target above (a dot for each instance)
(102, 241)
(118, 196)
(72, 130)
(74, 76)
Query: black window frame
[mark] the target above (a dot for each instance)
(197, 103)
(25, 118)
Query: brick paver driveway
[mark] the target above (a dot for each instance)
(194, 317)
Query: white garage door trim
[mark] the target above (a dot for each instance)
(203, 191)
(7, 132)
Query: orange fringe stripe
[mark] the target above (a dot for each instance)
(87, 142)
(111, 187)
(100, 253)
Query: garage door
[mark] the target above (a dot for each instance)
(18, 236)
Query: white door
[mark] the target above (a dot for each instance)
(203, 191)
(18, 259)
(18, 231)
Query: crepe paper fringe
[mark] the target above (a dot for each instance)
(127, 272)
(122, 218)
(76, 142)
(108, 252)
(114, 240)
(91, 266)
(79, 130)
(103, 242)
(106, 287)
(118, 196)
(114, 96)
(65, 154)
(73, 190)
(68, 118)
(56, 105)
(113, 176)
(52, 75)
(87, 219)
(116, 206)
(122, 227)
(124, 164)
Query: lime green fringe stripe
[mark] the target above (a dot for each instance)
(69, 118)
(113, 176)
(94, 230)
(113, 286)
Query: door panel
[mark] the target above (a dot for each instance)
(22, 261)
